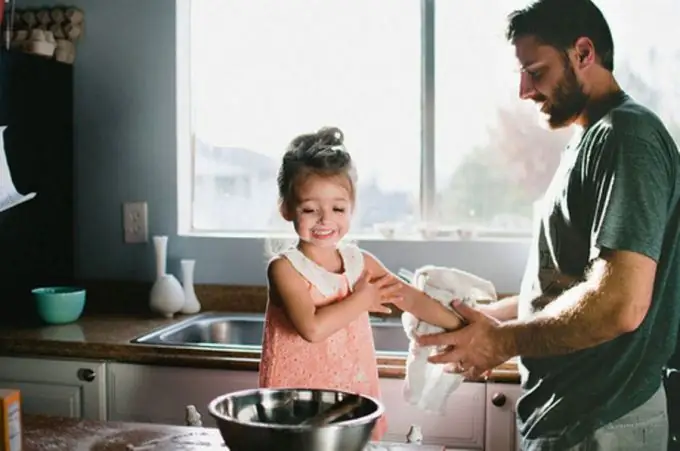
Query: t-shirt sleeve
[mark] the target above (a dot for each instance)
(633, 190)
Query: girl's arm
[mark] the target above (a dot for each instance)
(415, 301)
(313, 323)
(503, 310)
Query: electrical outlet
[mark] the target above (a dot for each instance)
(135, 222)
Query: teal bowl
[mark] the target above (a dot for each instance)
(59, 305)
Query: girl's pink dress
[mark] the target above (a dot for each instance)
(344, 361)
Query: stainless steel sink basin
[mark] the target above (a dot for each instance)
(244, 331)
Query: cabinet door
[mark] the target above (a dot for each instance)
(67, 388)
(37, 238)
(160, 394)
(501, 426)
(461, 426)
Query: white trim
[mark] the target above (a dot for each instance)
(428, 186)
(492, 237)
(184, 116)
(243, 261)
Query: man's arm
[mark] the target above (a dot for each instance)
(612, 301)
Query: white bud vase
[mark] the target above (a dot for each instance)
(191, 304)
(167, 296)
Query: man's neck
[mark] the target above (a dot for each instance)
(602, 97)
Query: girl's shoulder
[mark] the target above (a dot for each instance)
(294, 265)
(278, 267)
(290, 257)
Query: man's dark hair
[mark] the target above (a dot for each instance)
(559, 23)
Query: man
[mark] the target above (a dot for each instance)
(598, 311)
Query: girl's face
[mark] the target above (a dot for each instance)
(323, 210)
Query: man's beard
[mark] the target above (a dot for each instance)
(568, 100)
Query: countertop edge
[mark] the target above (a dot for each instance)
(109, 339)
(388, 367)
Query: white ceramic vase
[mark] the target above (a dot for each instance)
(167, 295)
(191, 304)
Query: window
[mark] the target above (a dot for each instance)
(492, 156)
(426, 93)
(264, 71)
(492, 159)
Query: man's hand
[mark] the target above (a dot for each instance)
(478, 347)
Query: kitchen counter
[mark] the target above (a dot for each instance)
(108, 337)
(44, 433)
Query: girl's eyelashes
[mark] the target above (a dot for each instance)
(313, 209)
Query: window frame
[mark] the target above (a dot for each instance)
(501, 260)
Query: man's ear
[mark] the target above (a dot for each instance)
(585, 52)
(285, 211)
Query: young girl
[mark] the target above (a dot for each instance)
(317, 330)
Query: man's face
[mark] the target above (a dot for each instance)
(548, 78)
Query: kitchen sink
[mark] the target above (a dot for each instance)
(244, 331)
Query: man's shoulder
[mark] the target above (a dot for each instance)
(629, 127)
(631, 120)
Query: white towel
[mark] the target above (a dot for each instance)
(427, 386)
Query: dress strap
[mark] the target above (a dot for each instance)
(326, 282)
(353, 260)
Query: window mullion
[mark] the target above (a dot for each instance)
(427, 166)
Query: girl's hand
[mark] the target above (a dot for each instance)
(378, 291)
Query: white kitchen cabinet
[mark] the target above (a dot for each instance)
(478, 415)
(501, 426)
(69, 388)
(159, 394)
(460, 427)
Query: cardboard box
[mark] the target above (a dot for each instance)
(10, 420)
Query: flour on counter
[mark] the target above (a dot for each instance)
(87, 437)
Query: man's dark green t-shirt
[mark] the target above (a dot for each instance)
(617, 187)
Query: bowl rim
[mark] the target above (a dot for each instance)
(69, 290)
(212, 409)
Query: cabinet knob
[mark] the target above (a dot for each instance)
(86, 374)
(192, 416)
(498, 399)
(415, 435)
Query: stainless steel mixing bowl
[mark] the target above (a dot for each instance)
(269, 419)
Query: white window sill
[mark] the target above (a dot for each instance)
(241, 259)
(492, 237)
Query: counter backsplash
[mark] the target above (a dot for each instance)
(123, 297)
